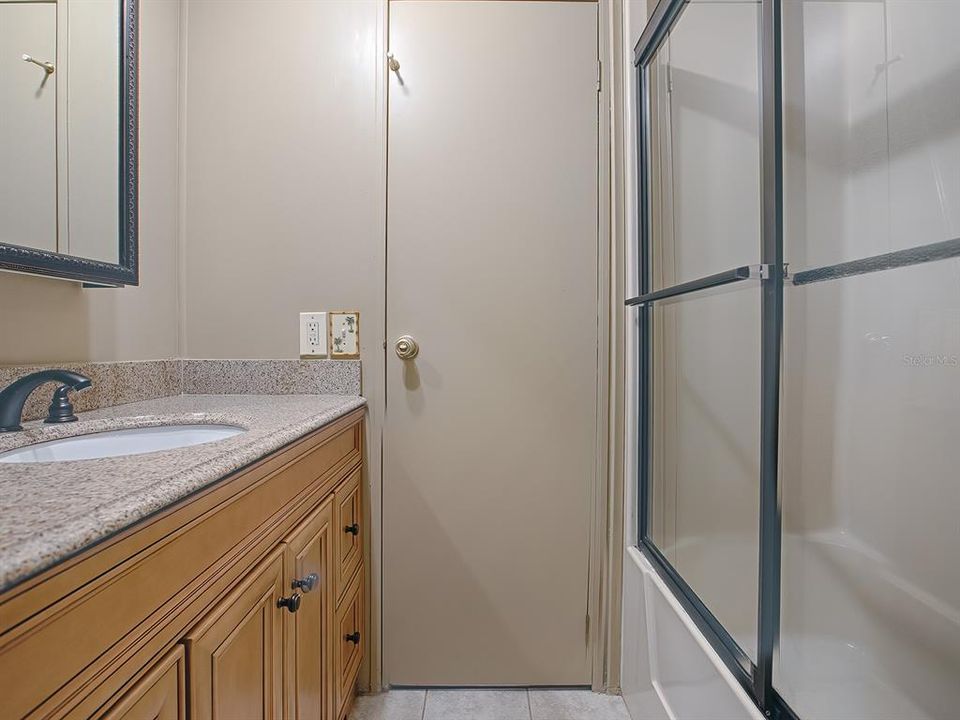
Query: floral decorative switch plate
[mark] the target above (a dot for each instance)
(344, 335)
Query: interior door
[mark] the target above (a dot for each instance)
(489, 445)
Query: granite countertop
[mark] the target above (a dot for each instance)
(50, 511)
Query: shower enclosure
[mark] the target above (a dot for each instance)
(799, 314)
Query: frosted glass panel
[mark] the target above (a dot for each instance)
(870, 446)
(870, 413)
(872, 127)
(704, 449)
(704, 143)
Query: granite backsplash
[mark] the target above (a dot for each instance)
(118, 383)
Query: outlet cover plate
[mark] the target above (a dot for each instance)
(313, 334)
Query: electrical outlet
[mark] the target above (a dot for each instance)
(313, 334)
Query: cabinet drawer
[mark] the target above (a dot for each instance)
(349, 532)
(348, 642)
(161, 694)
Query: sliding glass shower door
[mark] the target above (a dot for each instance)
(703, 344)
(799, 316)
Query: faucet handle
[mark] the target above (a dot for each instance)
(61, 409)
(13, 397)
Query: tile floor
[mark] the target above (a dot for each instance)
(489, 705)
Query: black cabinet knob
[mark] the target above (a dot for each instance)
(307, 583)
(292, 603)
(354, 638)
(352, 529)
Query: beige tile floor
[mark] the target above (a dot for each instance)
(489, 705)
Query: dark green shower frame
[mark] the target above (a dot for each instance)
(756, 678)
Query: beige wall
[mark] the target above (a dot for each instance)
(284, 188)
(92, 127)
(262, 183)
(28, 151)
(45, 320)
(281, 171)
(287, 187)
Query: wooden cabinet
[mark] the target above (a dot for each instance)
(308, 570)
(244, 591)
(348, 630)
(235, 652)
(349, 532)
(159, 695)
(348, 644)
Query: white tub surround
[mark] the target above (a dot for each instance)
(670, 671)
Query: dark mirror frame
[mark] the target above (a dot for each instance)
(94, 272)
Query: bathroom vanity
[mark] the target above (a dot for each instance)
(197, 593)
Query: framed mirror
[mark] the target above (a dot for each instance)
(68, 139)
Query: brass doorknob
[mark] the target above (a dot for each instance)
(406, 347)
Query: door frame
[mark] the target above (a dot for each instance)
(607, 484)
(606, 553)
(372, 678)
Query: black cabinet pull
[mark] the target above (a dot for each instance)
(352, 529)
(292, 603)
(354, 638)
(307, 583)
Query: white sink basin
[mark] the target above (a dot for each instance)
(115, 443)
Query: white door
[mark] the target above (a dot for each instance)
(489, 445)
(28, 125)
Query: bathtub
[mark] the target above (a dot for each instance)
(859, 641)
(669, 670)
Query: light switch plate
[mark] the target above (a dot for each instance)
(313, 334)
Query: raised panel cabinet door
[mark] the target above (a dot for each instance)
(349, 636)
(235, 652)
(158, 695)
(349, 551)
(308, 563)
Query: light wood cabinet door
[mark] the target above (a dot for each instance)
(349, 636)
(349, 535)
(235, 652)
(308, 564)
(158, 695)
